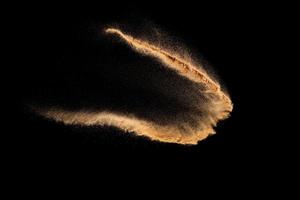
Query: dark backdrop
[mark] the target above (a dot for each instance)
(56, 41)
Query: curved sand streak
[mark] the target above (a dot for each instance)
(219, 107)
(126, 123)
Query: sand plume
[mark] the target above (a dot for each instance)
(200, 102)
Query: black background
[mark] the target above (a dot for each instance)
(55, 42)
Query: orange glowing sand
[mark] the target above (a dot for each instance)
(219, 107)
